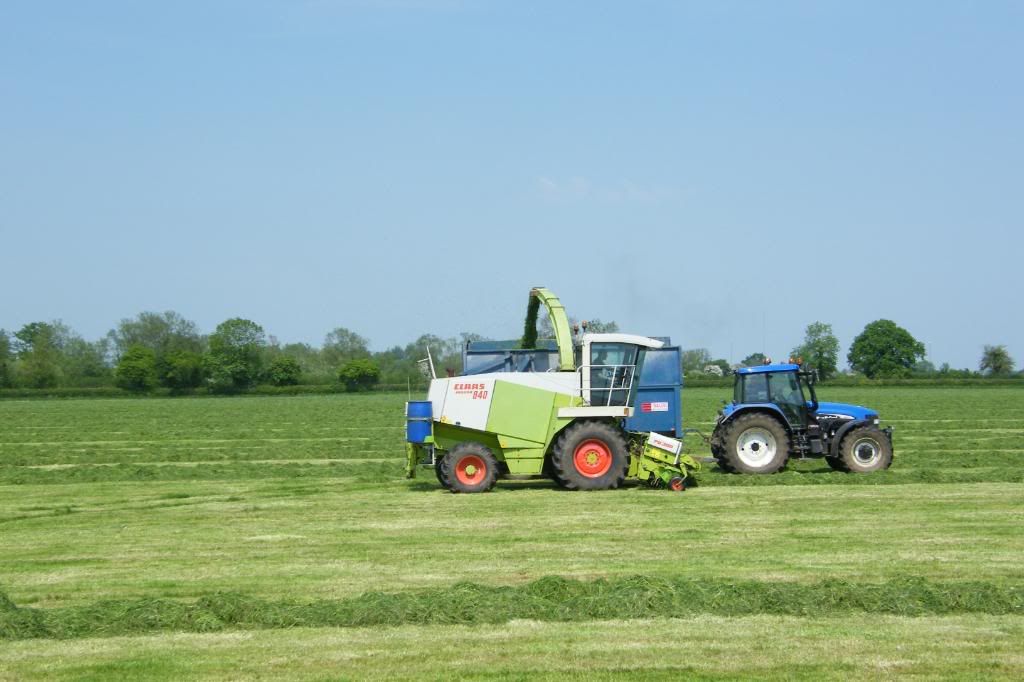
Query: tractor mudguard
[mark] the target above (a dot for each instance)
(752, 407)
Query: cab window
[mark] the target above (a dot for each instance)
(755, 388)
(787, 393)
(612, 368)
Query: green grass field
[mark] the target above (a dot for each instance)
(248, 537)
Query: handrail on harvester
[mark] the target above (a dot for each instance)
(559, 323)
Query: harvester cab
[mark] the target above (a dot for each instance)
(775, 414)
(609, 366)
(564, 408)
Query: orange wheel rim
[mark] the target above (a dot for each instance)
(592, 458)
(470, 470)
(677, 484)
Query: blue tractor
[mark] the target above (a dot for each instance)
(775, 414)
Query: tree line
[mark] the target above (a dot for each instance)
(165, 350)
(883, 350)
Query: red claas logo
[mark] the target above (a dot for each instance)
(470, 387)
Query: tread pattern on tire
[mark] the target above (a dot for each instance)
(439, 474)
(450, 460)
(562, 453)
(741, 424)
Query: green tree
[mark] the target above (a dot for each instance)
(284, 371)
(168, 335)
(884, 349)
(160, 332)
(359, 374)
(695, 360)
(924, 368)
(447, 353)
(754, 360)
(6, 361)
(721, 364)
(136, 369)
(820, 350)
(235, 356)
(596, 326)
(996, 361)
(180, 370)
(85, 363)
(311, 360)
(342, 345)
(39, 345)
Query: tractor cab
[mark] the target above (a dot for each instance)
(785, 388)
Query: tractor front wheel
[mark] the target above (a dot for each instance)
(590, 456)
(754, 443)
(864, 450)
(468, 468)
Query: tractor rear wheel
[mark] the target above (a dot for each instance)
(754, 443)
(469, 468)
(865, 449)
(590, 456)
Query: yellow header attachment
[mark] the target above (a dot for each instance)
(559, 323)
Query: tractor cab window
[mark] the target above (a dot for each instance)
(612, 368)
(754, 388)
(787, 393)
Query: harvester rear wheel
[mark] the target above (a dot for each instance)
(590, 456)
(469, 468)
(865, 449)
(754, 443)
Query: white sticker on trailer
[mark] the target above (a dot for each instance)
(654, 407)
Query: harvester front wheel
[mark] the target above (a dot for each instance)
(469, 468)
(754, 443)
(864, 450)
(440, 475)
(590, 456)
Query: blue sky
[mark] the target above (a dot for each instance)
(724, 173)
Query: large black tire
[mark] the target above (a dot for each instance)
(440, 476)
(836, 464)
(754, 443)
(469, 468)
(590, 456)
(865, 449)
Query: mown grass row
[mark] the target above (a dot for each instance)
(802, 473)
(547, 599)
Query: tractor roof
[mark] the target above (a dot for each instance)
(761, 369)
